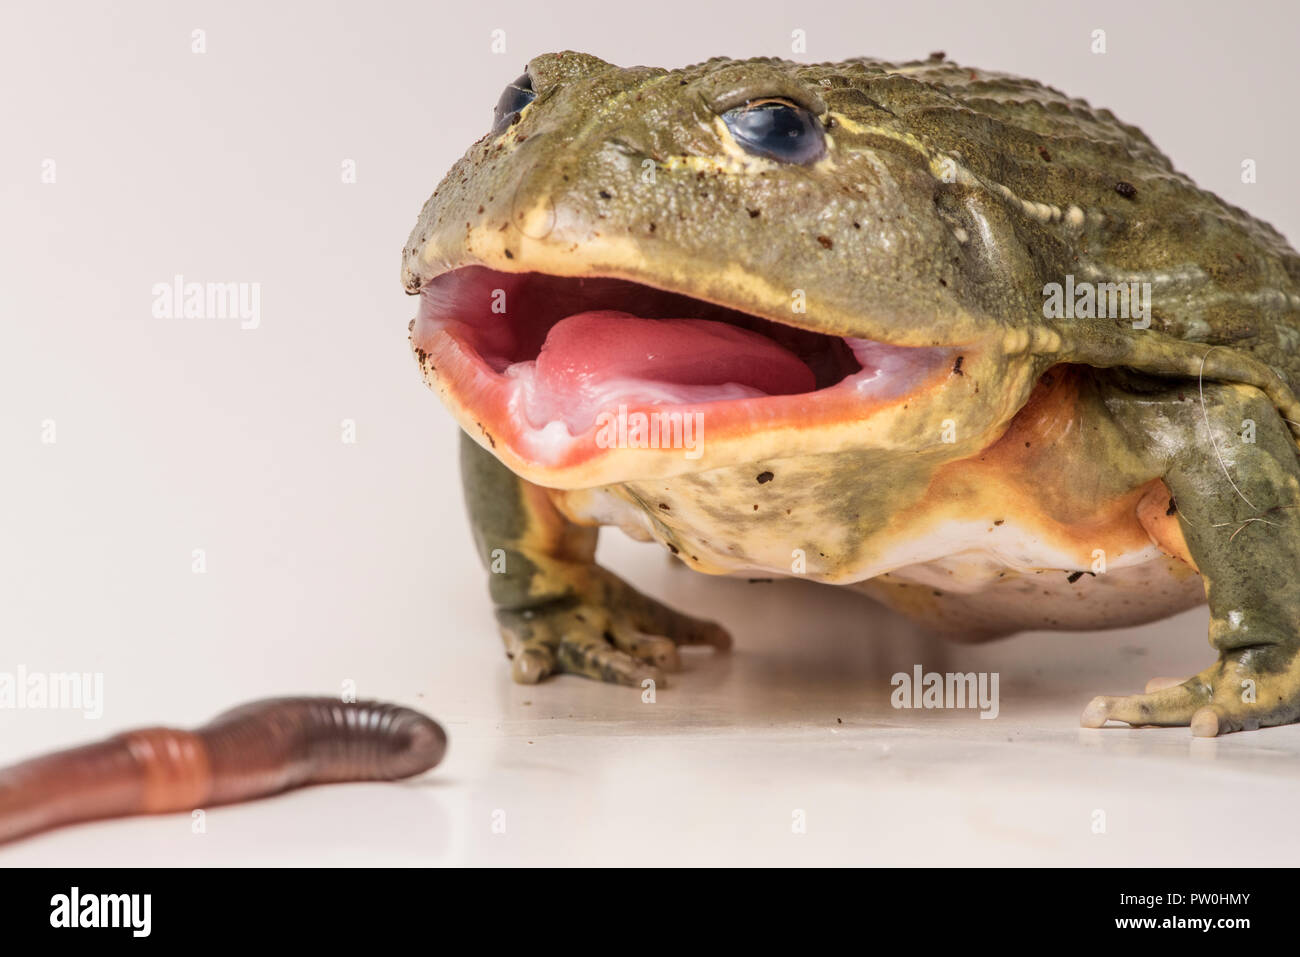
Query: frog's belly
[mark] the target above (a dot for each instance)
(974, 596)
(975, 578)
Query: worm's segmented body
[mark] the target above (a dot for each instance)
(251, 751)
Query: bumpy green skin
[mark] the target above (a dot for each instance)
(1239, 509)
(894, 269)
(951, 197)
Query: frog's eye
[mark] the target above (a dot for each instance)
(778, 129)
(516, 96)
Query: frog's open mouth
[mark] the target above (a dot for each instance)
(539, 358)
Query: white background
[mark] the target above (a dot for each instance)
(329, 562)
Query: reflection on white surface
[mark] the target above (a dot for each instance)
(793, 726)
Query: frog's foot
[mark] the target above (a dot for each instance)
(612, 633)
(1247, 689)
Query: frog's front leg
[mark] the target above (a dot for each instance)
(1231, 465)
(558, 610)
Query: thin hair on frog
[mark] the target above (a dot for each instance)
(1205, 417)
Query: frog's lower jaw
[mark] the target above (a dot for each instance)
(553, 372)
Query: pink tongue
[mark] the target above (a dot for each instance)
(591, 347)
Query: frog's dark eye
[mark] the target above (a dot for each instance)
(516, 96)
(777, 129)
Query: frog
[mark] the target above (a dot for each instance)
(942, 335)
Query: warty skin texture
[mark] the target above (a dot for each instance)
(946, 200)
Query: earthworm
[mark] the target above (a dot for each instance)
(251, 751)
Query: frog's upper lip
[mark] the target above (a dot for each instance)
(534, 364)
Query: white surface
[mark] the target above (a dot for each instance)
(714, 771)
(329, 562)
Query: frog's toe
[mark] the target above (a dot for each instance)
(609, 631)
(1206, 723)
(1246, 699)
(1160, 684)
(1237, 693)
(682, 629)
(1218, 719)
(531, 665)
(1166, 707)
(578, 640)
(530, 643)
(652, 649)
(679, 628)
(647, 615)
(702, 632)
(585, 652)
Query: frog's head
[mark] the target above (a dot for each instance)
(756, 248)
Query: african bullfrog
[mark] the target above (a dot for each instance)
(945, 335)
